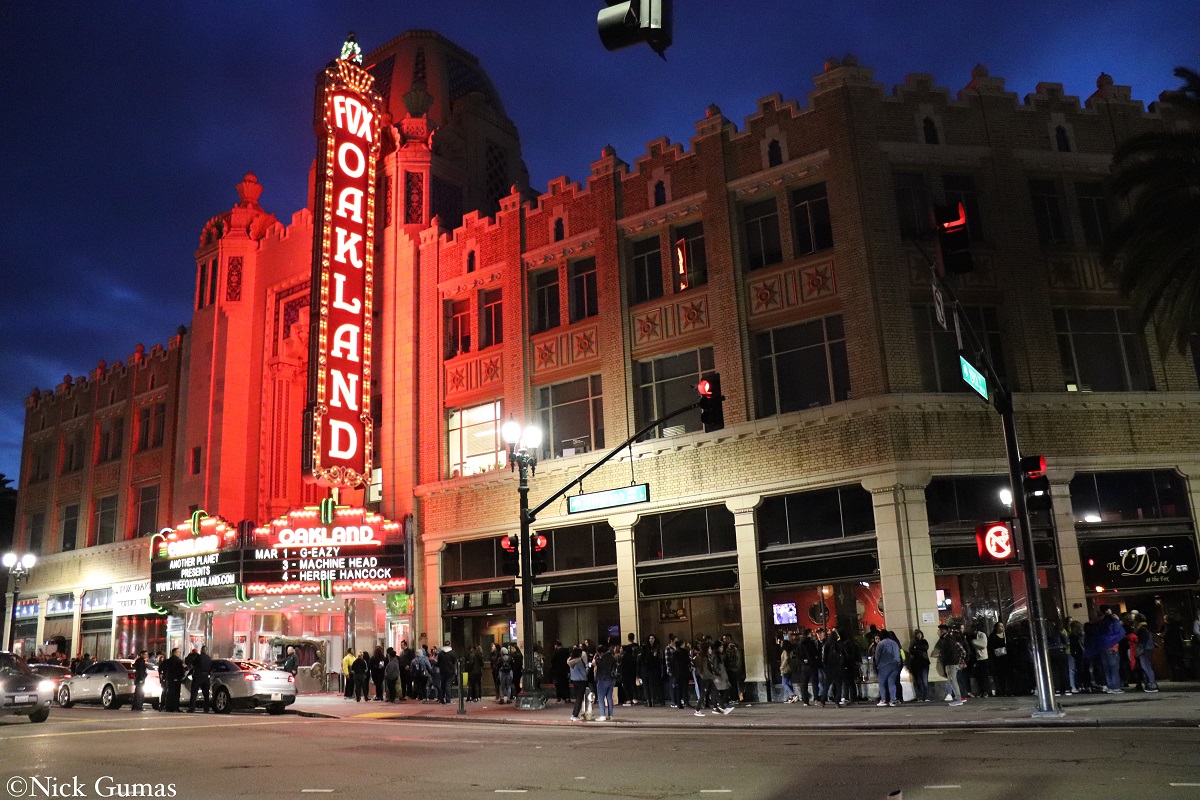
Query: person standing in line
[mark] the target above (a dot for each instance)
(810, 657)
(347, 676)
(494, 659)
(1144, 648)
(406, 654)
(978, 640)
(139, 682)
(447, 666)
(1059, 651)
(172, 672)
(475, 674)
(1111, 633)
(998, 659)
(631, 654)
(577, 663)
(835, 670)
(361, 671)
(604, 666)
(391, 675)
(291, 664)
(682, 665)
(1077, 676)
(918, 665)
(650, 670)
(735, 667)
(669, 669)
(378, 664)
(887, 667)
(711, 670)
(785, 668)
(201, 671)
(562, 673)
(506, 668)
(951, 656)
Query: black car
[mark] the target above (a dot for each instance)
(22, 691)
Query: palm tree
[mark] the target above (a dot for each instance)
(1155, 250)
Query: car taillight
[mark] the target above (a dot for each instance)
(291, 678)
(253, 676)
(64, 677)
(132, 676)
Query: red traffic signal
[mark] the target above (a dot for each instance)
(953, 239)
(508, 544)
(538, 561)
(1035, 483)
(712, 411)
(539, 542)
(510, 559)
(994, 541)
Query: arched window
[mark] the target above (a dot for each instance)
(931, 131)
(470, 261)
(660, 194)
(774, 154)
(1061, 140)
(560, 231)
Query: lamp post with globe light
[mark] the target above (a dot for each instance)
(523, 444)
(18, 567)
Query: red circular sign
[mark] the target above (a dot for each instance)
(997, 540)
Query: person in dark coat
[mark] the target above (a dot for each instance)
(172, 675)
(562, 673)
(361, 671)
(201, 670)
(378, 665)
(629, 673)
(139, 682)
(447, 668)
(833, 658)
(650, 670)
(475, 673)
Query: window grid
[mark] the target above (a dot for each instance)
(70, 527)
(491, 319)
(1101, 350)
(110, 438)
(104, 520)
(545, 300)
(668, 383)
(761, 230)
(571, 415)
(802, 366)
(912, 203)
(646, 271)
(937, 349)
(690, 264)
(584, 298)
(473, 439)
(458, 327)
(1093, 212)
(147, 511)
(1047, 212)
(810, 217)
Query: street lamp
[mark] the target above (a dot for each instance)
(18, 567)
(523, 445)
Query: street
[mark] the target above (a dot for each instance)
(87, 752)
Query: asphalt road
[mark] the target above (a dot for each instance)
(86, 752)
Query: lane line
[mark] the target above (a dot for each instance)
(93, 732)
(715, 791)
(945, 786)
(512, 791)
(1027, 730)
(316, 791)
(1183, 784)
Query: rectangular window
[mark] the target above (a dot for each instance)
(110, 436)
(689, 263)
(669, 383)
(202, 285)
(212, 282)
(74, 446)
(1101, 350)
(1047, 213)
(802, 366)
(760, 227)
(937, 349)
(196, 461)
(912, 203)
(491, 319)
(473, 436)
(104, 520)
(544, 295)
(805, 517)
(41, 462)
(70, 527)
(961, 189)
(35, 533)
(687, 532)
(584, 298)
(571, 416)
(1093, 212)
(646, 271)
(147, 511)
(151, 423)
(810, 217)
(458, 327)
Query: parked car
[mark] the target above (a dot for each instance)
(22, 691)
(235, 683)
(109, 683)
(52, 672)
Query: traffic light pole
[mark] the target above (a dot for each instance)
(531, 697)
(1033, 597)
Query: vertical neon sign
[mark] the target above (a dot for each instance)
(337, 420)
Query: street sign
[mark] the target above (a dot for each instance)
(974, 378)
(939, 306)
(995, 540)
(609, 498)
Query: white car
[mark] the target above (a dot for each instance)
(235, 683)
(109, 683)
(22, 691)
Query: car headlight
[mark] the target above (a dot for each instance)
(46, 686)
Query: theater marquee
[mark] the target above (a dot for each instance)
(337, 420)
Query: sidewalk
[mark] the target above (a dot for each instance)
(1174, 706)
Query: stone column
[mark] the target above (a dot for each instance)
(627, 590)
(430, 622)
(905, 553)
(1070, 571)
(750, 593)
(77, 624)
(38, 637)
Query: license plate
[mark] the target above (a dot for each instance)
(27, 698)
(277, 696)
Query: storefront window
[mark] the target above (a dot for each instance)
(850, 606)
(815, 516)
(1129, 495)
(688, 532)
(476, 559)
(691, 618)
(968, 499)
(580, 547)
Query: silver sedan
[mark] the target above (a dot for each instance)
(246, 684)
(22, 691)
(109, 683)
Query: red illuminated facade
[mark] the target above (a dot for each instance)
(853, 468)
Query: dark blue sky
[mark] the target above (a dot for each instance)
(126, 125)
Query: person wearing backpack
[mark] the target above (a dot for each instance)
(421, 669)
(578, 664)
(505, 666)
(951, 656)
(607, 676)
(1145, 649)
(391, 675)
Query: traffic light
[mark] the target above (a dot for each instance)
(537, 554)
(995, 541)
(712, 412)
(953, 239)
(510, 556)
(1035, 483)
(631, 22)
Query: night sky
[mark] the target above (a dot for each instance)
(126, 125)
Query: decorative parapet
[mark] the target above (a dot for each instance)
(654, 325)
(469, 373)
(792, 286)
(565, 347)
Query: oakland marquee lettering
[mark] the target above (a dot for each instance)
(337, 425)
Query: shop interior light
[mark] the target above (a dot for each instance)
(1006, 497)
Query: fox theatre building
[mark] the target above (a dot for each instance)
(320, 579)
